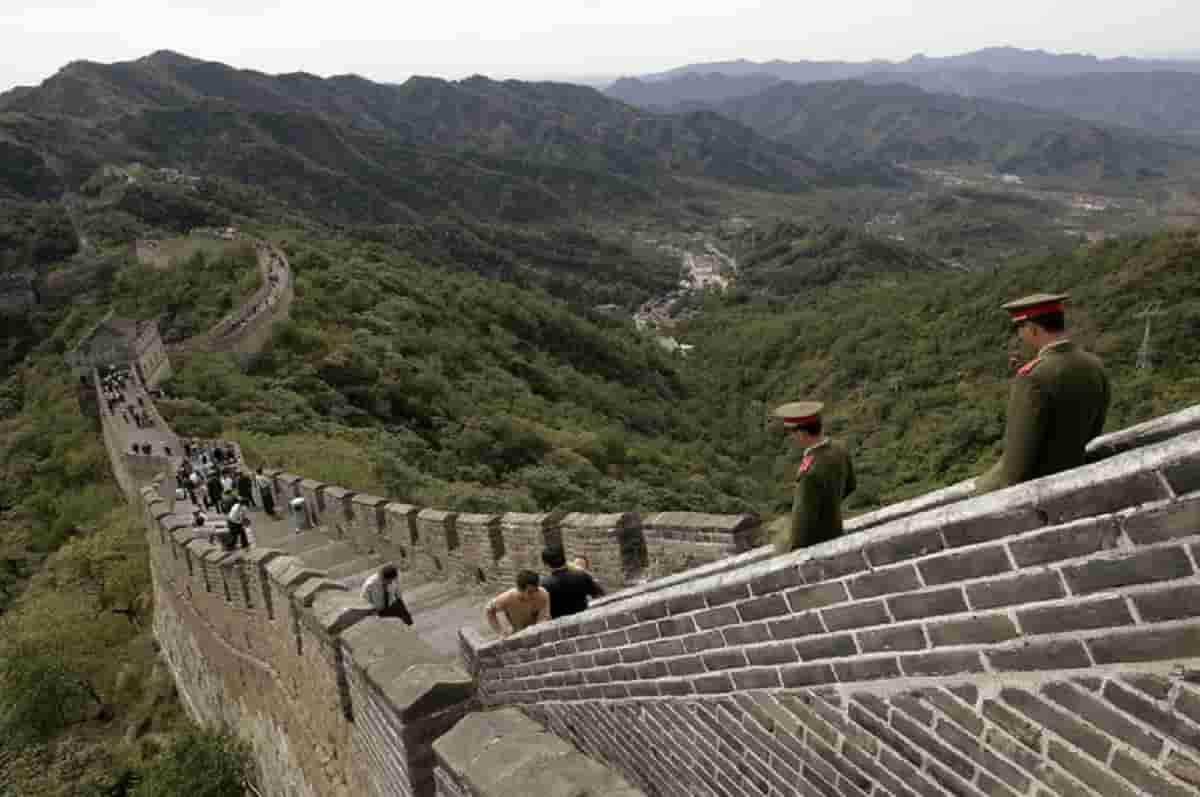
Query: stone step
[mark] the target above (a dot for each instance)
(329, 555)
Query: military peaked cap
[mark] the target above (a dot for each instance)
(1035, 305)
(798, 413)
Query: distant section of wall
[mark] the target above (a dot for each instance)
(1036, 640)
(246, 330)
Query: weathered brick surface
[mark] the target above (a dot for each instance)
(367, 524)
(613, 545)
(677, 541)
(482, 548)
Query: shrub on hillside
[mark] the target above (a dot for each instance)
(198, 764)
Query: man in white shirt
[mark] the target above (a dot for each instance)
(382, 591)
(238, 521)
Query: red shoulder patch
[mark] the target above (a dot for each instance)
(1028, 367)
(805, 464)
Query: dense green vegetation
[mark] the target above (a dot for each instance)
(190, 295)
(790, 257)
(915, 369)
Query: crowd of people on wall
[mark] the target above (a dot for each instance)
(212, 477)
(114, 390)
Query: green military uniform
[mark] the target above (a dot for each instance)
(823, 479)
(1057, 404)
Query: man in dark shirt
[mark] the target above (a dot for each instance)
(569, 589)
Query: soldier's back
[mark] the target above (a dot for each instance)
(1077, 396)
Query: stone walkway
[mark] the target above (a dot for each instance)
(159, 436)
(439, 608)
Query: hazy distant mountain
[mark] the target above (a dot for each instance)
(689, 87)
(1038, 63)
(848, 120)
(1162, 96)
(509, 146)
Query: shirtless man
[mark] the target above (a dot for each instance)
(523, 606)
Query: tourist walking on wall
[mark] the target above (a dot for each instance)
(824, 478)
(214, 491)
(245, 488)
(238, 521)
(265, 492)
(1058, 400)
(523, 606)
(569, 589)
(382, 591)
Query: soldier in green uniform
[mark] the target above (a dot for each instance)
(1058, 400)
(824, 478)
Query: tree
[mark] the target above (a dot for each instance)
(39, 696)
(198, 764)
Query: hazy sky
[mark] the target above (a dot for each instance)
(540, 38)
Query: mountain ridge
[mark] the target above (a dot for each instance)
(171, 110)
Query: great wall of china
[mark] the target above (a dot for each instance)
(1042, 640)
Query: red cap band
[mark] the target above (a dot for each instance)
(1033, 311)
(792, 423)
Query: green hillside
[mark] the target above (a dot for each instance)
(851, 120)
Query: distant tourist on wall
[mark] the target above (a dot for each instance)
(265, 492)
(245, 488)
(523, 606)
(382, 591)
(214, 491)
(823, 479)
(1058, 400)
(569, 589)
(238, 521)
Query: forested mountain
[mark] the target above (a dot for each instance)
(849, 120)
(349, 147)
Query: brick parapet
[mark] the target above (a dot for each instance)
(437, 552)
(873, 597)
(341, 680)
(482, 548)
(505, 753)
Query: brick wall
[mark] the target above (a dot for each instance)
(504, 753)
(1089, 575)
(332, 700)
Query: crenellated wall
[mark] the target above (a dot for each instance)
(247, 328)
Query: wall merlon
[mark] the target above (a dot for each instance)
(290, 572)
(337, 499)
(289, 484)
(335, 611)
(307, 592)
(415, 679)
(262, 556)
(504, 753)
